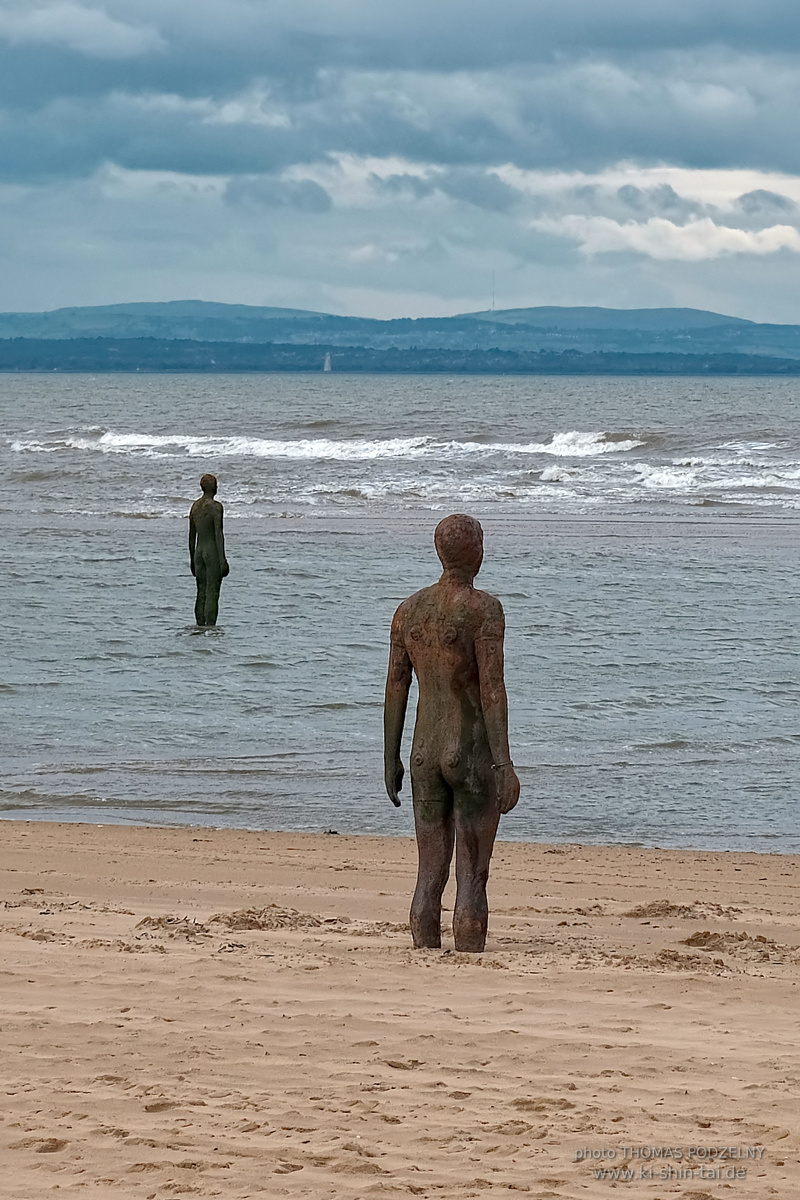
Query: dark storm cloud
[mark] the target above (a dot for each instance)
(471, 186)
(242, 38)
(581, 115)
(474, 187)
(662, 200)
(457, 82)
(75, 137)
(403, 185)
(263, 191)
(763, 202)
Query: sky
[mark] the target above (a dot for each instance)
(406, 158)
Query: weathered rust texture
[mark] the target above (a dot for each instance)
(207, 551)
(462, 777)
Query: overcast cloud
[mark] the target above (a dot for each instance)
(388, 160)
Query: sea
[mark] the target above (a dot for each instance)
(643, 535)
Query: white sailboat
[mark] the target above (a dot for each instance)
(327, 364)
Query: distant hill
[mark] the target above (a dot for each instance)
(651, 319)
(195, 308)
(199, 319)
(548, 329)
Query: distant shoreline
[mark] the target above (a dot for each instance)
(182, 356)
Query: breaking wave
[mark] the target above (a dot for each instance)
(564, 469)
(572, 444)
(577, 444)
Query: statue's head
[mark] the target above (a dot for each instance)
(209, 484)
(459, 543)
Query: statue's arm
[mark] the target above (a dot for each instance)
(398, 683)
(494, 702)
(192, 540)
(220, 539)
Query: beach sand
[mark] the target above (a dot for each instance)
(221, 1013)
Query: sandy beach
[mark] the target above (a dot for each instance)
(218, 1013)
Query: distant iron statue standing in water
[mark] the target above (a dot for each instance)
(462, 777)
(207, 551)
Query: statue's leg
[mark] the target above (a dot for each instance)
(433, 820)
(200, 602)
(476, 820)
(213, 584)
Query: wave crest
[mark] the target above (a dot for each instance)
(578, 444)
(572, 444)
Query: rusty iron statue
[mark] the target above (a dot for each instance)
(207, 551)
(462, 777)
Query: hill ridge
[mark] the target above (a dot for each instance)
(544, 328)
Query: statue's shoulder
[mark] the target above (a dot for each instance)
(409, 607)
(486, 603)
(488, 614)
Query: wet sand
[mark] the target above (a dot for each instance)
(219, 1013)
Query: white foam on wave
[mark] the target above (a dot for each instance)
(698, 476)
(176, 445)
(558, 474)
(411, 490)
(751, 447)
(579, 444)
(574, 444)
(717, 460)
(171, 445)
(783, 479)
(666, 477)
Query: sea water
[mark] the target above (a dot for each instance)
(642, 535)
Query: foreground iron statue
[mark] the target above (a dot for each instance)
(207, 551)
(462, 777)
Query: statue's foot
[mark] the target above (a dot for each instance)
(469, 936)
(470, 947)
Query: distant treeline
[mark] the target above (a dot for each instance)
(156, 354)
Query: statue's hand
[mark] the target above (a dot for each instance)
(507, 787)
(225, 570)
(394, 780)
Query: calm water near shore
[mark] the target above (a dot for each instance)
(643, 535)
